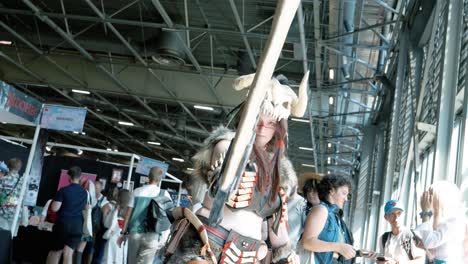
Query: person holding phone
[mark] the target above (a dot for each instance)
(399, 244)
(325, 232)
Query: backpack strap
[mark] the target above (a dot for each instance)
(385, 238)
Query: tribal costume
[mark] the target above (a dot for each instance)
(256, 194)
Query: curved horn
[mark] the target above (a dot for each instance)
(243, 82)
(298, 108)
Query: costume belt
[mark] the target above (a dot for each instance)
(236, 247)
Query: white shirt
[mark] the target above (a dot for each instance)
(446, 241)
(394, 249)
(149, 190)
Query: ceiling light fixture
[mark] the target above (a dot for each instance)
(328, 172)
(202, 107)
(5, 42)
(308, 149)
(48, 148)
(76, 132)
(178, 159)
(123, 123)
(190, 169)
(79, 151)
(329, 145)
(331, 74)
(300, 120)
(81, 91)
(83, 133)
(4, 123)
(308, 165)
(331, 100)
(154, 143)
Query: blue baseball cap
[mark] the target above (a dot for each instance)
(4, 167)
(392, 205)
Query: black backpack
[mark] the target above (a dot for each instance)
(96, 216)
(409, 236)
(159, 215)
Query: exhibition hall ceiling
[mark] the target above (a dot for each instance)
(166, 68)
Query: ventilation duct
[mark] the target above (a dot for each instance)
(169, 48)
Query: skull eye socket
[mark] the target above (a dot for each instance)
(286, 104)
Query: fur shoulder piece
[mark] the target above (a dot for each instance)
(288, 177)
(202, 159)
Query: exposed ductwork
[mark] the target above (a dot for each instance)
(169, 49)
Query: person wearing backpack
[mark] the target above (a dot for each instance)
(143, 242)
(398, 245)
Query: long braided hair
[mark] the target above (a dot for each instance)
(269, 166)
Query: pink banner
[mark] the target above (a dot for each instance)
(64, 178)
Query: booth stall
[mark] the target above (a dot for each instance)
(43, 176)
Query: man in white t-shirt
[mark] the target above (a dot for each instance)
(142, 245)
(398, 245)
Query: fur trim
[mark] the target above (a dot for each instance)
(282, 253)
(288, 177)
(202, 158)
(203, 164)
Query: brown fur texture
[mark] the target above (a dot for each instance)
(202, 162)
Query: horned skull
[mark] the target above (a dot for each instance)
(280, 100)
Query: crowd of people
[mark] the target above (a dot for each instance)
(260, 219)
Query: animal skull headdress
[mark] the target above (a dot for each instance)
(280, 100)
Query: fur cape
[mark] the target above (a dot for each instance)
(202, 161)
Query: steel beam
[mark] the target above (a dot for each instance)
(88, 56)
(63, 70)
(27, 71)
(259, 24)
(359, 30)
(305, 67)
(318, 69)
(242, 31)
(144, 63)
(448, 91)
(395, 117)
(386, 6)
(380, 35)
(157, 4)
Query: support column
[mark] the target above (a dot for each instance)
(395, 118)
(448, 89)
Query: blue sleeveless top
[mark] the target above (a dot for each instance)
(330, 233)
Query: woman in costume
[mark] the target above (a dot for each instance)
(256, 208)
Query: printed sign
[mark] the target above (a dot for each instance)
(145, 164)
(63, 118)
(64, 178)
(18, 103)
(184, 199)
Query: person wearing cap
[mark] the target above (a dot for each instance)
(398, 245)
